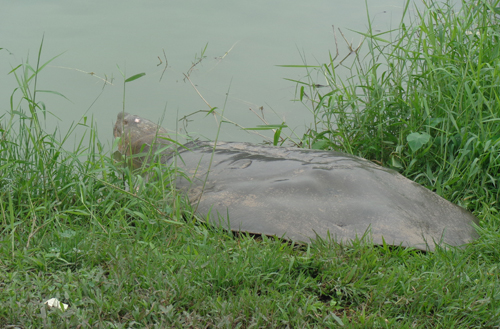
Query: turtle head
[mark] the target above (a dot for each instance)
(138, 137)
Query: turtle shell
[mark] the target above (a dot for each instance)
(301, 194)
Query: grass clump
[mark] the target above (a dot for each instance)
(424, 99)
(120, 258)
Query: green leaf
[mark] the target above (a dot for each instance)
(135, 77)
(374, 36)
(336, 318)
(52, 92)
(211, 110)
(14, 69)
(117, 156)
(320, 145)
(300, 66)
(297, 82)
(21, 114)
(267, 127)
(396, 163)
(417, 140)
(433, 122)
(277, 136)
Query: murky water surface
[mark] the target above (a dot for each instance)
(243, 41)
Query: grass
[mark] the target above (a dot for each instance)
(424, 103)
(424, 100)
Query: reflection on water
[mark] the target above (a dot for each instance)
(236, 71)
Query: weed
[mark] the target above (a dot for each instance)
(424, 100)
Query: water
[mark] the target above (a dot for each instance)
(245, 41)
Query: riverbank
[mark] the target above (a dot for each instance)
(424, 103)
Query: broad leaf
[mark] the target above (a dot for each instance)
(417, 140)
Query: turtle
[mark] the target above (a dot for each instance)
(300, 194)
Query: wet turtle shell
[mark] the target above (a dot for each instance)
(300, 194)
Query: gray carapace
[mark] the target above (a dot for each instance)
(299, 194)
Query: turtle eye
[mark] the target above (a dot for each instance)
(125, 122)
